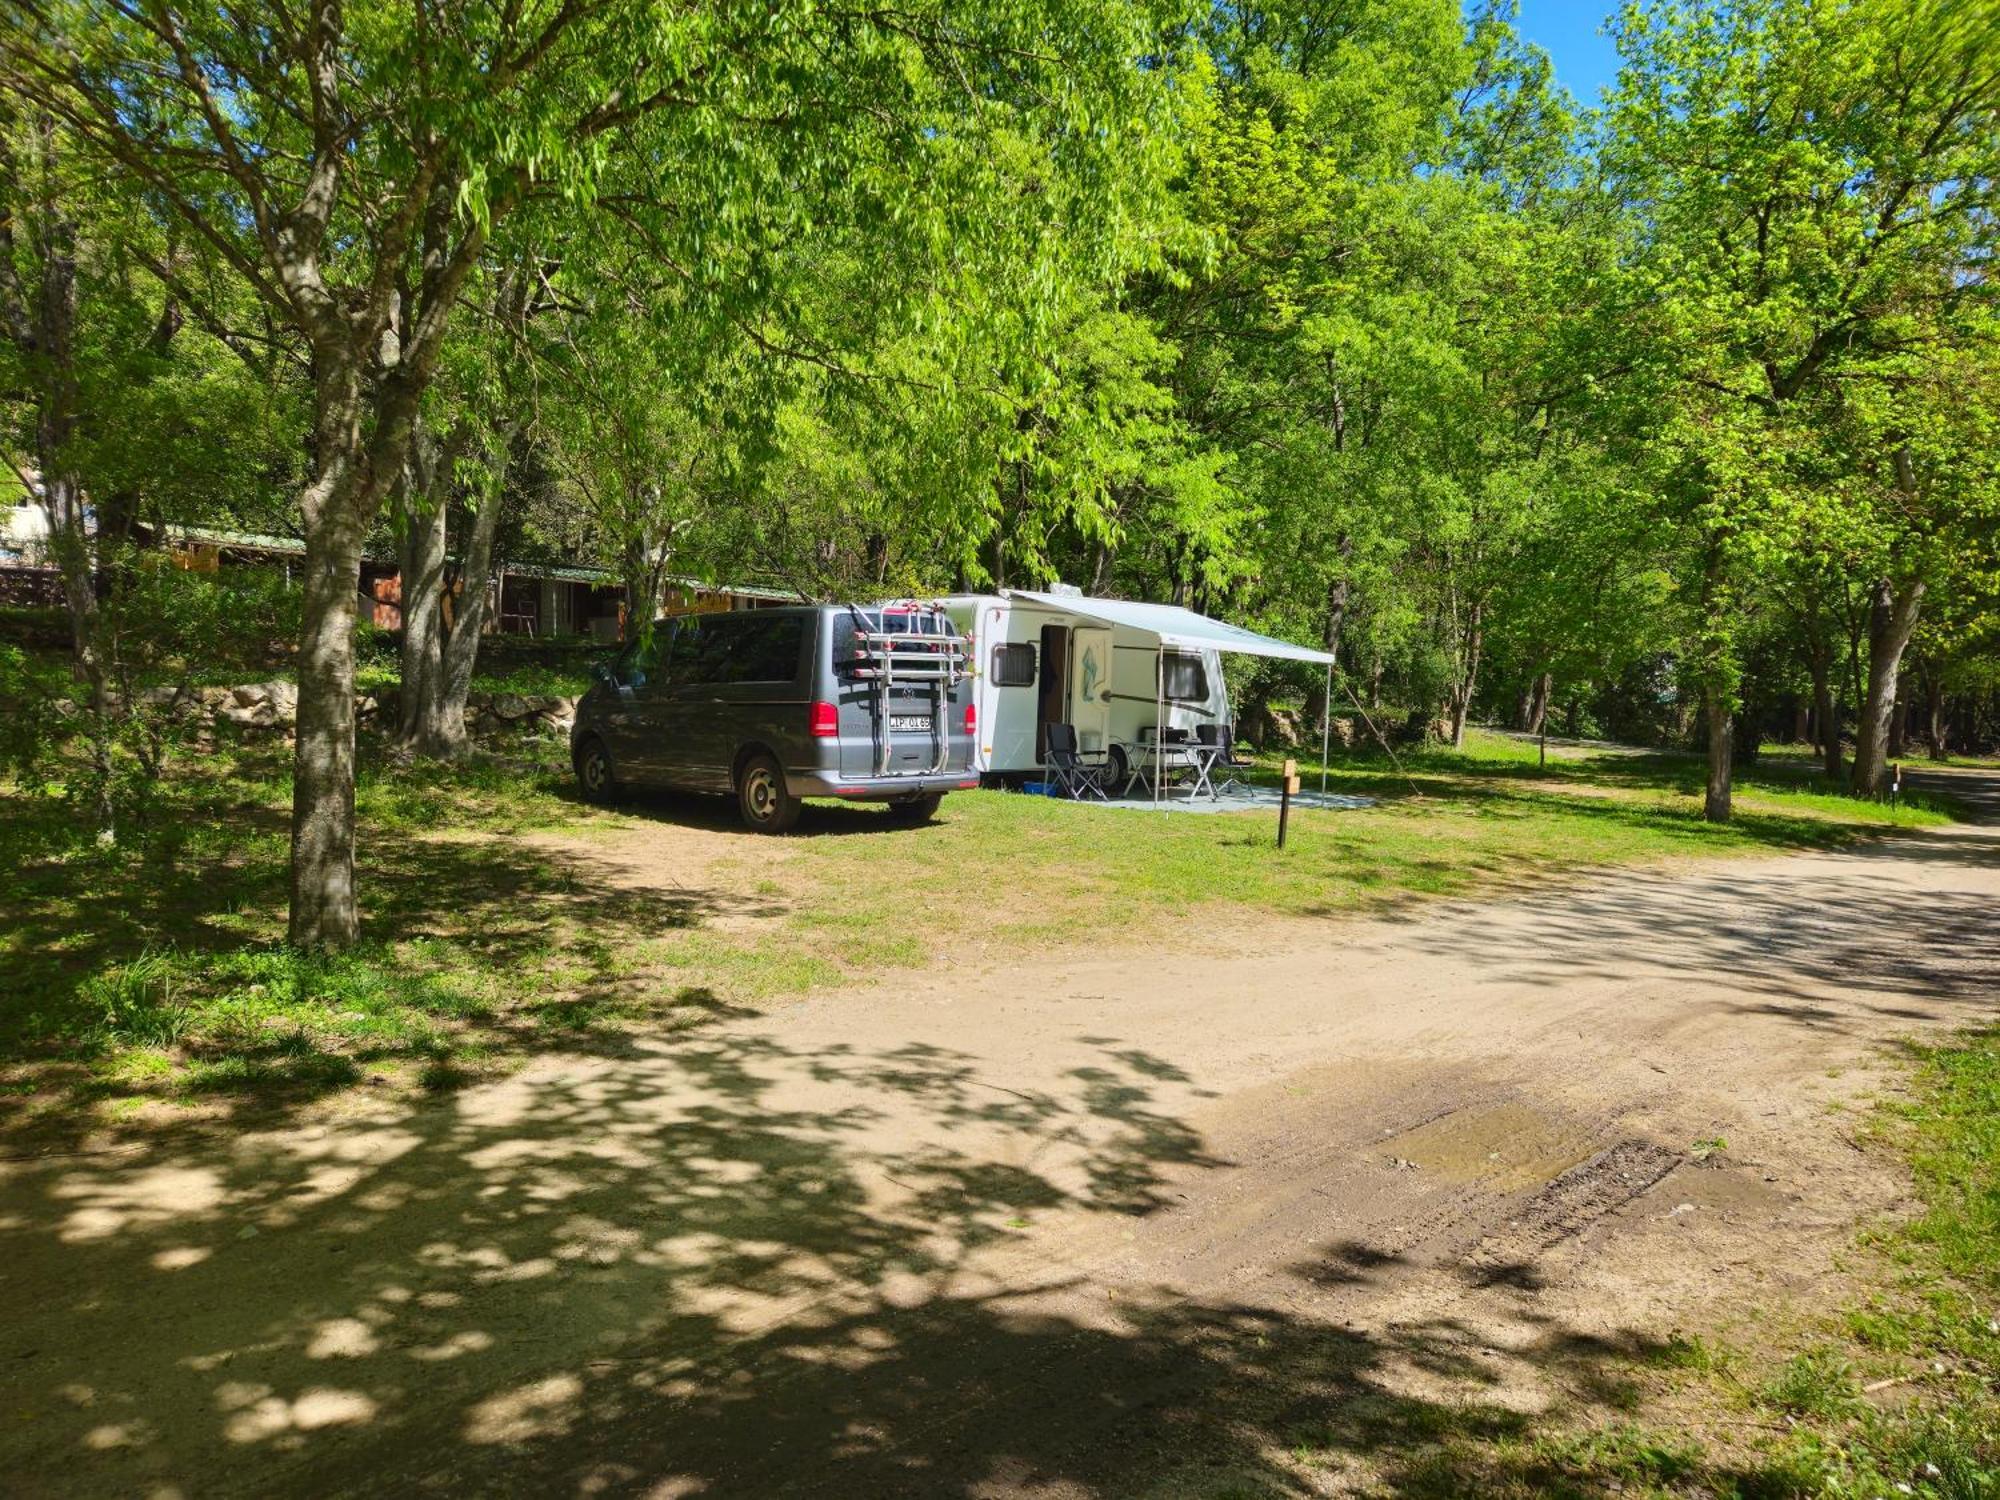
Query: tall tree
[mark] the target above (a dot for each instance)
(1813, 181)
(350, 161)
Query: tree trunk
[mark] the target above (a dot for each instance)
(1100, 571)
(69, 541)
(1336, 595)
(1819, 660)
(1892, 616)
(1715, 802)
(1538, 713)
(644, 574)
(1336, 617)
(323, 913)
(1899, 728)
(1468, 683)
(422, 560)
(461, 651)
(41, 320)
(1938, 737)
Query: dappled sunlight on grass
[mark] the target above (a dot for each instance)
(497, 921)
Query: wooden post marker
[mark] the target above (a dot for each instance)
(1291, 785)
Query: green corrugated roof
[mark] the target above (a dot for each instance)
(256, 541)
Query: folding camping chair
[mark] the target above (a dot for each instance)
(1223, 736)
(1066, 769)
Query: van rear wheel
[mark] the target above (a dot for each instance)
(594, 775)
(766, 803)
(916, 809)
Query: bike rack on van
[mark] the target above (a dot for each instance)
(885, 656)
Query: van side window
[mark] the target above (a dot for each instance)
(1186, 682)
(767, 648)
(718, 649)
(683, 649)
(1014, 664)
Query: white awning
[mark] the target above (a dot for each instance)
(1175, 626)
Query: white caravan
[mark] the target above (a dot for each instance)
(1041, 659)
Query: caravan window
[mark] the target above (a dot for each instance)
(1186, 682)
(1014, 665)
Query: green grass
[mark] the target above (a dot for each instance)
(382, 673)
(156, 970)
(1915, 758)
(532, 680)
(1770, 784)
(1898, 1395)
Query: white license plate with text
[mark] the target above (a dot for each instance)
(909, 723)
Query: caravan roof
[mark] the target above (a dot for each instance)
(1175, 626)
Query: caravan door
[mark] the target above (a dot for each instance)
(1090, 686)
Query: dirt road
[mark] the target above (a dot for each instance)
(1249, 1222)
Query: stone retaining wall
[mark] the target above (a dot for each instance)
(273, 706)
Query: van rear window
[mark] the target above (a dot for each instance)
(925, 624)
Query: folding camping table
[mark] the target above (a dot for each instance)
(1163, 759)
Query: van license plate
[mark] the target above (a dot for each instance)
(909, 723)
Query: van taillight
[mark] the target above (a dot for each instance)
(825, 721)
(971, 718)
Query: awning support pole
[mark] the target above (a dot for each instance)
(1325, 726)
(1159, 714)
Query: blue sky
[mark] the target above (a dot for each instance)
(1567, 30)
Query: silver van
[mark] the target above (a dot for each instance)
(865, 703)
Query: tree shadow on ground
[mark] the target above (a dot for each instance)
(719, 1266)
(718, 813)
(506, 914)
(1778, 943)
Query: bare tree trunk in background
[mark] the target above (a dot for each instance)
(1337, 595)
(1892, 617)
(461, 649)
(421, 560)
(1937, 734)
(1715, 801)
(1857, 625)
(1336, 620)
(1819, 660)
(40, 320)
(1801, 722)
(1462, 690)
(1100, 571)
(438, 663)
(1538, 712)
